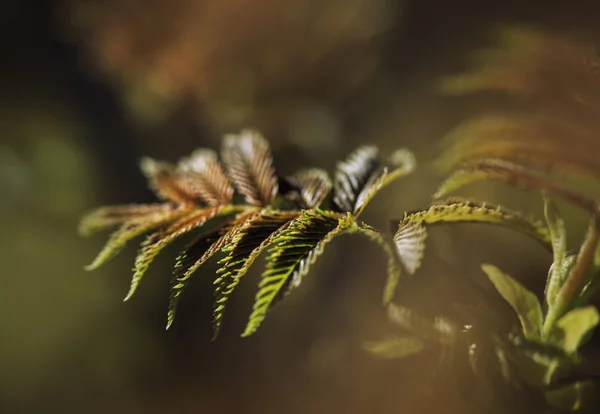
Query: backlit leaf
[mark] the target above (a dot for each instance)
(558, 234)
(205, 246)
(411, 234)
(400, 163)
(314, 185)
(157, 241)
(106, 217)
(290, 256)
(205, 179)
(524, 303)
(247, 157)
(352, 175)
(198, 253)
(246, 245)
(576, 326)
(132, 229)
(166, 182)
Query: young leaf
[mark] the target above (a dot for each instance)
(410, 245)
(106, 217)
(198, 253)
(132, 229)
(352, 175)
(157, 241)
(291, 254)
(246, 245)
(558, 234)
(572, 288)
(395, 347)
(401, 163)
(412, 233)
(524, 303)
(205, 179)
(247, 157)
(314, 185)
(576, 325)
(166, 182)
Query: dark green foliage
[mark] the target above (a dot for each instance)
(523, 151)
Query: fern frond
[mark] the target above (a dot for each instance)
(246, 245)
(292, 252)
(157, 241)
(314, 185)
(134, 228)
(205, 247)
(106, 217)
(247, 157)
(205, 178)
(411, 234)
(508, 172)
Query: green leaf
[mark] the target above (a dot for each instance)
(538, 363)
(200, 250)
(205, 247)
(246, 245)
(581, 395)
(155, 242)
(558, 235)
(395, 347)
(576, 326)
(524, 303)
(290, 257)
(249, 163)
(411, 234)
(131, 229)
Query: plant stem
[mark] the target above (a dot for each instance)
(394, 271)
(576, 279)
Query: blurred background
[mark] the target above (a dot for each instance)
(88, 87)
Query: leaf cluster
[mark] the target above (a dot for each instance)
(522, 151)
(239, 207)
